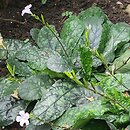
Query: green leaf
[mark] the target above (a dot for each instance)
(7, 87)
(54, 103)
(118, 81)
(123, 62)
(46, 39)
(34, 33)
(119, 32)
(86, 60)
(36, 58)
(9, 109)
(11, 69)
(70, 35)
(57, 63)
(12, 46)
(93, 12)
(112, 127)
(3, 54)
(76, 117)
(43, 1)
(34, 87)
(41, 127)
(92, 125)
(128, 127)
(21, 68)
(104, 37)
(122, 119)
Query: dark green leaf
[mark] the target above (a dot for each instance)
(70, 34)
(12, 46)
(46, 39)
(9, 109)
(34, 127)
(53, 103)
(93, 12)
(34, 33)
(112, 127)
(34, 87)
(36, 58)
(75, 117)
(7, 87)
(21, 68)
(92, 125)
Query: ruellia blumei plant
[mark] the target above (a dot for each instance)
(75, 79)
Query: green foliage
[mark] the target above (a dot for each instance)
(64, 75)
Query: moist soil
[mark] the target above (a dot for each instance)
(13, 25)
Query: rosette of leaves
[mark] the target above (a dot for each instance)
(86, 94)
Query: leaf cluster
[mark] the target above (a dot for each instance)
(75, 77)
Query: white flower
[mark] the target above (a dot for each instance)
(27, 10)
(23, 118)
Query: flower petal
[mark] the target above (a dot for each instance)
(27, 122)
(26, 115)
(18, 118)
(22, 122)
(21, 113)
(28, 6)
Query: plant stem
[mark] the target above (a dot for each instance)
(124, 63)
(12, 20)
(107, 67)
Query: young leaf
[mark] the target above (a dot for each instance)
(11, 70)
(86, 60)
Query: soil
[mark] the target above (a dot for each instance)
(13, 25)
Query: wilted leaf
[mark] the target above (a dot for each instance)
(15, 94)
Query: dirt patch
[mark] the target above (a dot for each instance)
(19, 27)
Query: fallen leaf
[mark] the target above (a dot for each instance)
(120, 4)
(15, 94)
(1, 42)
(128, 9)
